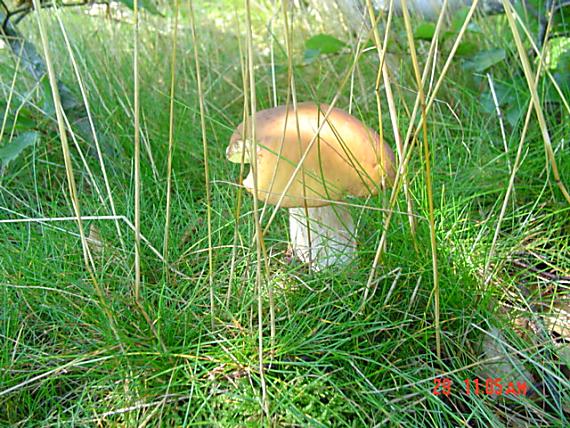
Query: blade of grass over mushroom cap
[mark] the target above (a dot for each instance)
(321, 197)
(325, 183)
(292, 93)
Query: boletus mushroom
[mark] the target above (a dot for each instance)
(330, 158)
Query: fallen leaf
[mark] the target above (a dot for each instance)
(94, 240)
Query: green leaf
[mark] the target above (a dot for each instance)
(149, 5)
(473, 27)
(486, 102)
(561, 17)
(529, 20)
(466, 49)
(25, 122)
(48, 106)
(325, 44)
(459, 18)
(484, 60)
(424, 31)
(12, 150)
(310, 55)
(508, 93)
(277, 69)
(514, 114)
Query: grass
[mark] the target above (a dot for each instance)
(71, 357)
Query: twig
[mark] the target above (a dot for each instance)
(547, 276)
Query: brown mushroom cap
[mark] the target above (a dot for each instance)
(347, 157)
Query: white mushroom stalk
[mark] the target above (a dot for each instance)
(345, 158)
(322, 236)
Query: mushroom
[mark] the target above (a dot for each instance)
(330, 158)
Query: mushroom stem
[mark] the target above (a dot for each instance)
(327, 237)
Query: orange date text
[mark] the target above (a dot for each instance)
(490, 386)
